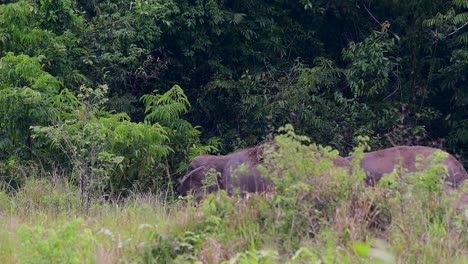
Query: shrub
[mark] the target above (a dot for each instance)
(308, 188)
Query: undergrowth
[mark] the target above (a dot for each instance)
(314, 214)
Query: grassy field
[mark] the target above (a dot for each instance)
(316, 213)
(340, 221)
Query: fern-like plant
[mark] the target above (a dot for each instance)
(166, 109)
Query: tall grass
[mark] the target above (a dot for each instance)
(313, 215)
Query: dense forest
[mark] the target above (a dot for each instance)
(131, 90)
(104, 103)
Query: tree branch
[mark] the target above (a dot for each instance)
(376, 20)
(458, 29)
(365, 7)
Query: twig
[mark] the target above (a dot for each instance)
(365, 7)
(458, 29)
(376, 20)
(398, 88)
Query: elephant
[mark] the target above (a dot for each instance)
(238, 170)
(248, 180)
(378, 163)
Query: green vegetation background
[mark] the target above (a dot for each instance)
(117, 96)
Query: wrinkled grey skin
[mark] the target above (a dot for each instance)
(209, 161)
(192, 181)
(230, 177)
(246, 178)
(378, 163)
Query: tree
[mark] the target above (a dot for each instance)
(449, 34)
(26, 93)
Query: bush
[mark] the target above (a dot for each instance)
(109, 154)
(308, 189)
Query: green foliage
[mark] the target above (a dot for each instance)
(166, 109)
(181, 249)
(371, 64)
(50, 30)
(448, 30)
(106, 150)
(250, 67)
(460, 133)
(59, 16)
(306, 97)
(74, 70)
(308, 187)
(26, 93)
(106, 153)
(183, 246)
(125, 38)
(310, 217)
(16, 34)
(67, 243)
(408, 221)
(420, 198)
(450, 23)
(254, 257)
